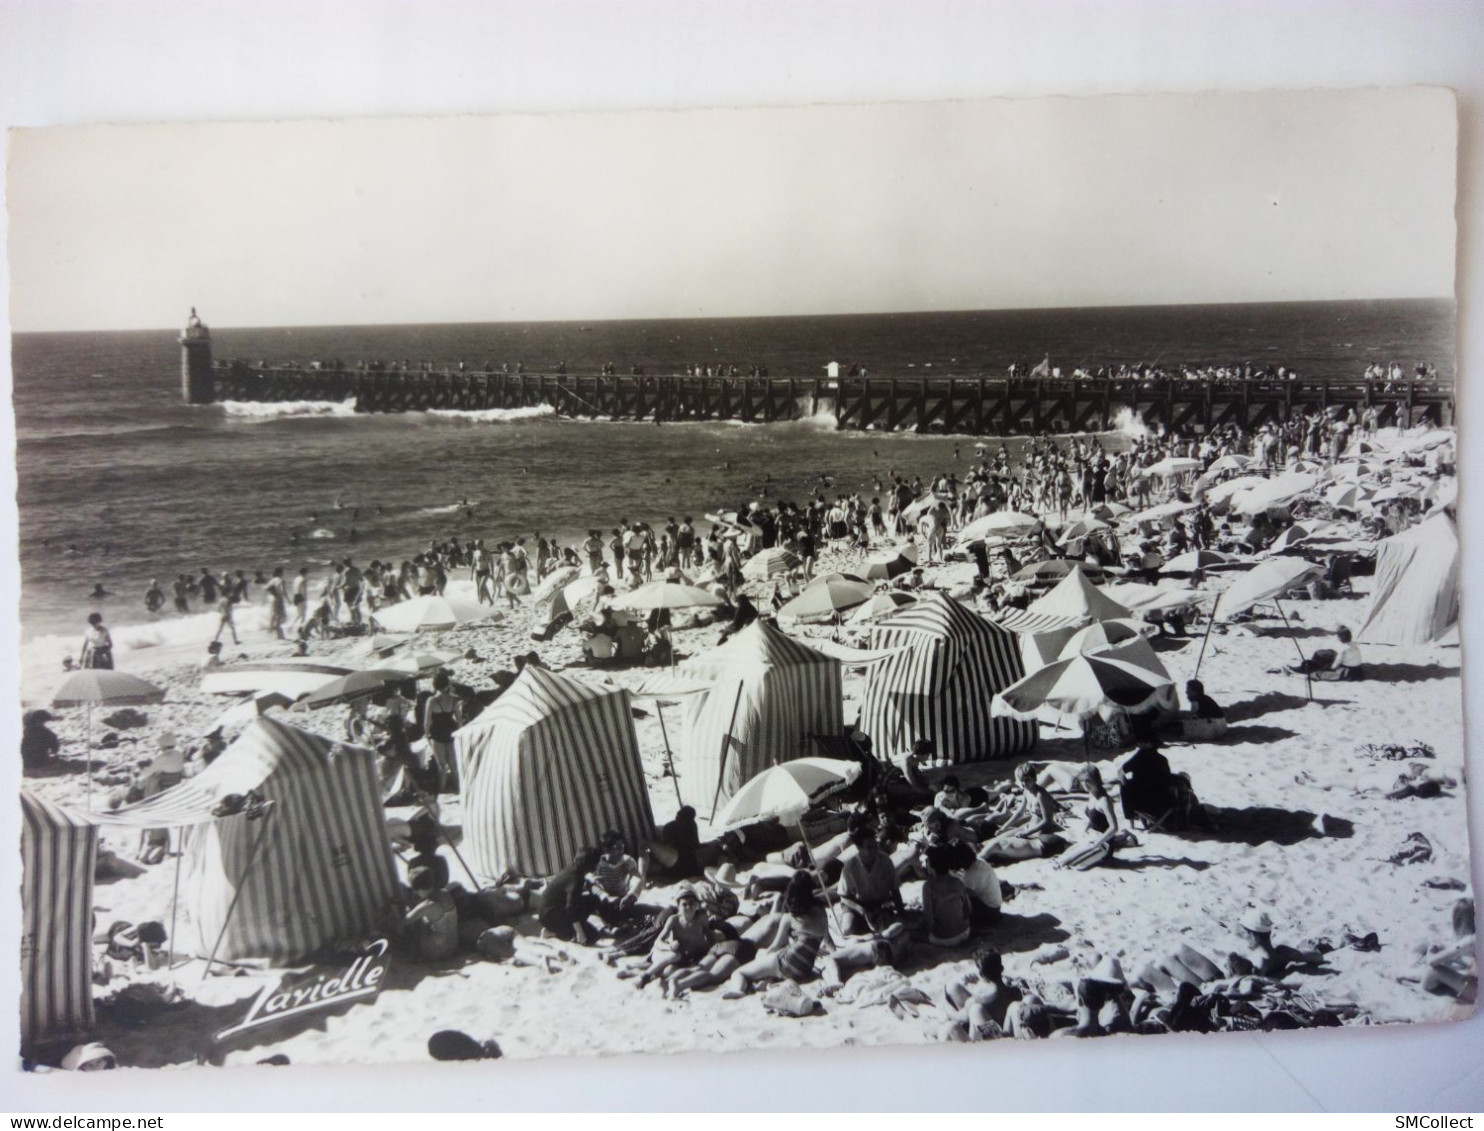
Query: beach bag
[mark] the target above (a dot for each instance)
(787, 1000)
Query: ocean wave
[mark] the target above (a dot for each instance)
(274, 410)
(1127, 422)
(494, 415)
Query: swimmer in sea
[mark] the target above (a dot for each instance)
(99, 592)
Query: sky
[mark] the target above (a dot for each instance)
(669, 214)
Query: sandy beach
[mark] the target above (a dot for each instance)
(1303, 828)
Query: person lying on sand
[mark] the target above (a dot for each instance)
(1455, 970)
(727, 954)
(888, 947)
(430, 930)
(1261, 955)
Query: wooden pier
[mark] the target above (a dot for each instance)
(979, 406)
(968, 405)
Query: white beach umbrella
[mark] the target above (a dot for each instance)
(1173, 465)
(1003, 524)
(433, 613)
(1265, 582)
(1194, 560)
(556, 579)
(412, 664)
(101, 687)
(667, 595)
(1161, 512)
(290, 676)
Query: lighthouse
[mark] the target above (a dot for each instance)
(197, 384)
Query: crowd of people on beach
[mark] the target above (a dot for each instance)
(1044, 476)
(756, 911)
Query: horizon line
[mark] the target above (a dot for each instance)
(1453, 298)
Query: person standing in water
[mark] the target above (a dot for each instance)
(97, 644)
(277, 603)
(224, 611)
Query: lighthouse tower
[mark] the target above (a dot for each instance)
(197, 383)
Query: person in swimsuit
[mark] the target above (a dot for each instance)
(97, 644)
(1101, 825)
(985, 1001)
(442, 715)
(946, 909)
(888, 948)
(224, 622)
(684, 940)
(796, 945)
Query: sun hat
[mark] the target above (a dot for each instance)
(725, 874)
(687, 892)
(1256, 920)
(91, 1054)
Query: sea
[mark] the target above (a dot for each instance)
(119, 482)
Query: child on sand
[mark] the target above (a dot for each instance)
(945, 901)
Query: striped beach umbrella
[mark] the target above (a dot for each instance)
(770, 563)
(1083, 686)
(827, 599)
(893, 563)
(786, 792)
(880, 605)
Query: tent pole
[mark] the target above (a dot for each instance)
(819, 875)
(252, 858)
(669, 759)
(175, 901)
(726, 745)
(1303, 661)
(431, 805)
(87, 754)
(1210, 624)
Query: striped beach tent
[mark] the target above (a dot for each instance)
(58, 852)
(547, 769)
(315, 869)
(1415, 597)
(767, 692)
(941, 686)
